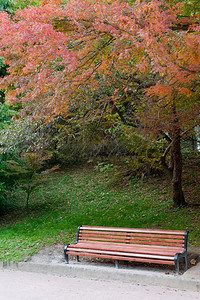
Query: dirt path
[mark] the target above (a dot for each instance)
(20, 285)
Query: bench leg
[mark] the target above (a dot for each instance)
(77, 258)
(66, 259)
(66, 255)
(117, 264)
(176, 260)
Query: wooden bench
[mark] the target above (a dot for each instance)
(129, 244)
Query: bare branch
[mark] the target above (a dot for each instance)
(186, 131)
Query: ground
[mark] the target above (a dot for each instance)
(20, 285)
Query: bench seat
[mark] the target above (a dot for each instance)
(140, 245)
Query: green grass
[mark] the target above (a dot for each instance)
(83, 196)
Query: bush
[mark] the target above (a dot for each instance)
(5, 204)
(7, 182)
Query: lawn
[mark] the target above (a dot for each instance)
(81, 195)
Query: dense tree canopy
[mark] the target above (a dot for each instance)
(140, 55)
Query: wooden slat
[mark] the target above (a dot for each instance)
(128, 246)
(128, 254)
(131, 238)
(129, 234)
(118, 248)
(156, 243)
(102, 235)
(100, 228)
(83, 232)
(170, 262)
(105, 240)
(106, 237)
(135, 242)
(159, 235)
(156, 240)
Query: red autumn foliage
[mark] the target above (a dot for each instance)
(53, 50)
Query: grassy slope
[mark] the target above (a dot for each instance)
(82, 196)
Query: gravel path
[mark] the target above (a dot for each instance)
(20, 285)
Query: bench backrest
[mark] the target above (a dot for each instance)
(170, 238)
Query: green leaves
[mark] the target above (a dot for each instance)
(5, 5)
(10, 6)
(6, 114)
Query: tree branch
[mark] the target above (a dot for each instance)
(186, 131)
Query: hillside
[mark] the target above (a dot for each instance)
(81, 195)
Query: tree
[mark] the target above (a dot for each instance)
(56, 52)
(27, 172)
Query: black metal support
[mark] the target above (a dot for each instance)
(65, 248)
(77, 258)
(176, 260)
(185, 252)
(77, 236)
(182, 255)
(117, 263)
(65, 254)
(185, 241)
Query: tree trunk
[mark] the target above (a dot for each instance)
(178, 196)
(27, 200)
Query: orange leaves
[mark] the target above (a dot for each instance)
(36, 53)
(160, 90)
(95, 39)
(4, 19)
(185, 91)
